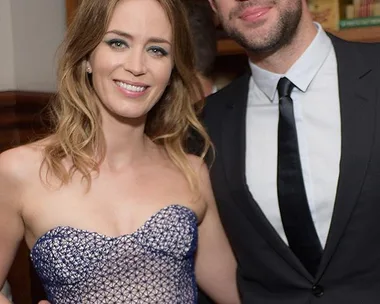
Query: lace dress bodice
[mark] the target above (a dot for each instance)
(155, 264)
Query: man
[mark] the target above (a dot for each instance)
(297, 167)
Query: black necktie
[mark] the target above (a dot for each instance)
(295, 213)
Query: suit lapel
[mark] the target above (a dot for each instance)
(233, 154)
(357, 94)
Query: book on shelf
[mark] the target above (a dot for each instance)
(341, 14)
(359, 22)
(361, 13)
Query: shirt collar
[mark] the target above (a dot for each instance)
(301, 72)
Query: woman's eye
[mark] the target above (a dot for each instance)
(157, 51)
(117, 44)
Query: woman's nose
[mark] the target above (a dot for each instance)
(135, 62)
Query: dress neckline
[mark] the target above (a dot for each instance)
(45, 235)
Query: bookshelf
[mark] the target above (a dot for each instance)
(363, 34)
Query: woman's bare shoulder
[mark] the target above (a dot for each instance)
(21, 162)
(198, 164)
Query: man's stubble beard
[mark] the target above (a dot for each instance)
(280, 35)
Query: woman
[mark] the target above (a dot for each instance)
(111, 206)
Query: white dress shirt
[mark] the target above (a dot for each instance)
(317, 115)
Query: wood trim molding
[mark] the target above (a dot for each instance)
(23, 117)
(10, 98)
(7, 98)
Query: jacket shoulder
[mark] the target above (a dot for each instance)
(342, 46)
(229, 94)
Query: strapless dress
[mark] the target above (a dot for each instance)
(154, 264)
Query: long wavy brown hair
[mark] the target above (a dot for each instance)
(77, 133)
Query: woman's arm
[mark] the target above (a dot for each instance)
(215, 263)
(3, 299)
(11, 224)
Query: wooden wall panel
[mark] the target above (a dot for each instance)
(22, 118)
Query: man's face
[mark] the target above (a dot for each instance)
(260, 26)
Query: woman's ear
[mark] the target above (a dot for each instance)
(88, 67)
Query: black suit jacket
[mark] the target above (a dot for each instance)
(268, 272)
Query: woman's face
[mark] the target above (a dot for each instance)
(132, 65)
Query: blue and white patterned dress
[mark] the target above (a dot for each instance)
(155, 264)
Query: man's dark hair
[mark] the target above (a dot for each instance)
(202, 27)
